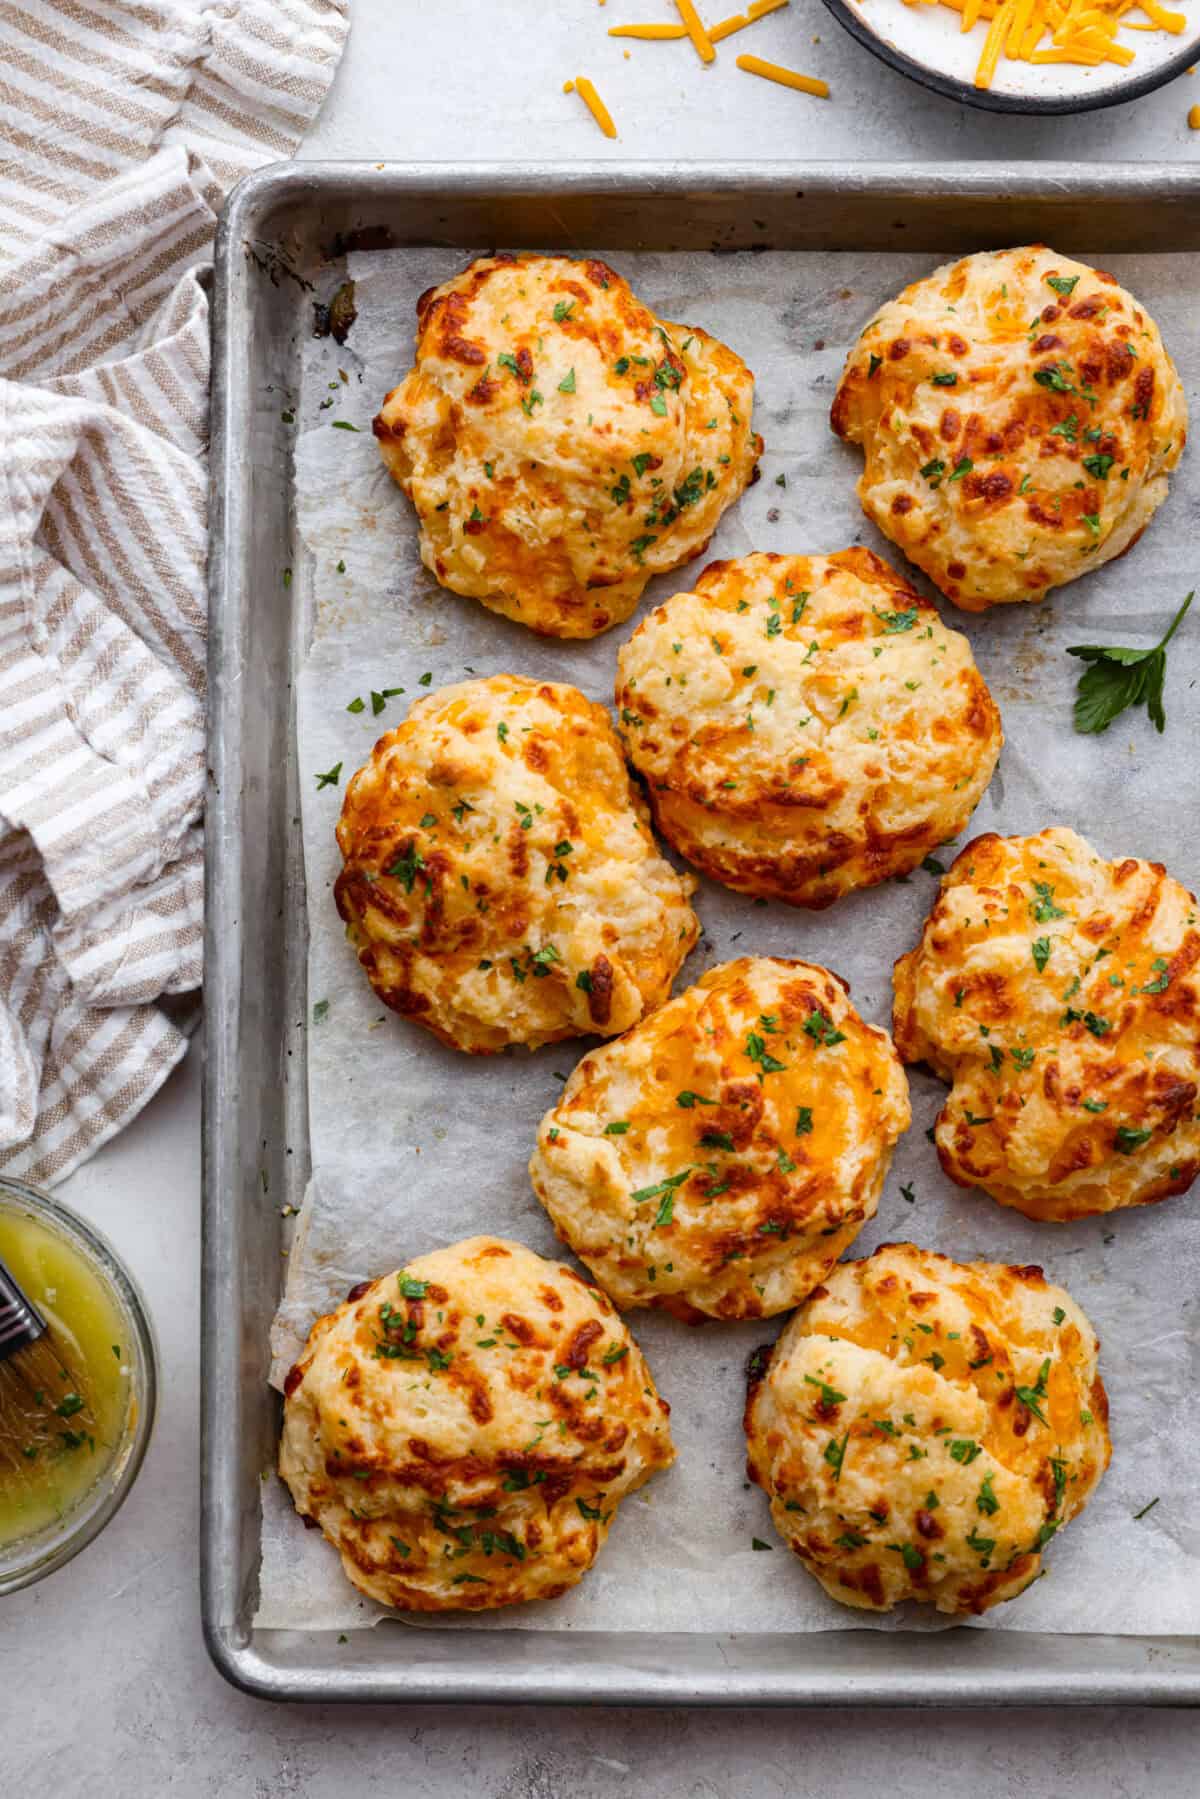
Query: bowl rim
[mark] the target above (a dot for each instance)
(30, 1559)
(987, 99)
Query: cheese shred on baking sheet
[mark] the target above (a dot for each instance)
(1049, 31)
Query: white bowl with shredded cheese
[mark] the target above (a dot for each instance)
(1029, 55)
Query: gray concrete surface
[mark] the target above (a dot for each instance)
(104, 1685)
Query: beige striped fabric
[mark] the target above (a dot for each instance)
(122, 125)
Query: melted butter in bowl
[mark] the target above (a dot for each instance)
(77, 1407)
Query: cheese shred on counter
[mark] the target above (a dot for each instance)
(1057, 31)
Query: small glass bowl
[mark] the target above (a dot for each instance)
(32, 1557)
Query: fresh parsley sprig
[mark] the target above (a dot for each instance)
(1119, 678)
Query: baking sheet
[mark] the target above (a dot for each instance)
(413, 1145)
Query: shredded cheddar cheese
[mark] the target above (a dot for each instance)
(1057, 31)
(595, 105)
(695, 30)
(773, 71)
(739, 20)
(651, 33)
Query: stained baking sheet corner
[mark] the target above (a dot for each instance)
(284, 232)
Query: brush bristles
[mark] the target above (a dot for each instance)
(42, 1398)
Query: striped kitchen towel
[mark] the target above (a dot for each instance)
(122, 125)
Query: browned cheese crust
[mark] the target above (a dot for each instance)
(501, 884)
(463, 1430)
(719, 1158)
(924, 1427)
(560, 443)
(1059, 994)
(1020, 417)
(806, 725)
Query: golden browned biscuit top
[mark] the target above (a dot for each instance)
(1020, 417)
(923, 1428)
(1059, 994)
(463, 1430)
(560, 443)
(718, 1159)
(806, 725)
(500, 883)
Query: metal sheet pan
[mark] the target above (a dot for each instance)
(281, 227)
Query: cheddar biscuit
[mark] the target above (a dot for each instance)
(924, 1427)
(806, 725)
(1020, 417)
(1058, 993)
(500, 882)
(718, 1159)
(464, 1430)
(560, 443)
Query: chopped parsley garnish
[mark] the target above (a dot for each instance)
(822, 1030)
(667, 1186)
(1042, 905)
(964, 1450)
(716, 1140)
(914, 1561)
(412, 1288)
(983, 1546)
(835, 1454)
(1055, 379)
(1040, 949)
(945, 378)
(406, 868)
(330, 778)
(933, 470)
(688, 1099)
(985, 1500)
(1062, 284)
(962, 467)
(1128, 1139)
(757, 1051)
(804, 1121)
(829, 1395)
(757, 1543)
(1098, 466)
(1032, 1397)
(894, 622)
(1162, 971)
(567, 384)
(563, 310)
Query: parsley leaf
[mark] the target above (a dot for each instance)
(1118, 678)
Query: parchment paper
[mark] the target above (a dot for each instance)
(414, 1146)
